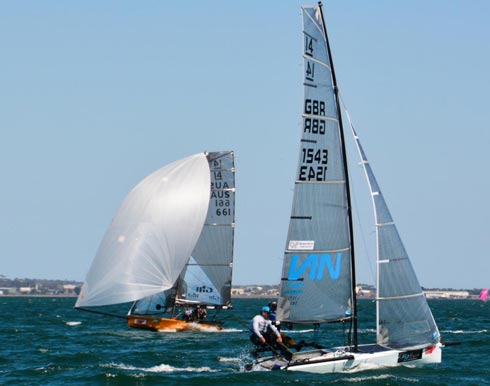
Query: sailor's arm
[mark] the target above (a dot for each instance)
(276, 331)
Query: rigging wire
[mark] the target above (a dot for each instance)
(353, 191)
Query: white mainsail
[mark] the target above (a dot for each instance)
(152, 235)
(317, 272)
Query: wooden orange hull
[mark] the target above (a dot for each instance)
(167, 324)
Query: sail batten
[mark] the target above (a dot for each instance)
(401, 297)
(385, 224)
(319, 182)
(392, 260)
(314, 60)
(321, 118)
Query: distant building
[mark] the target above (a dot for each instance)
(238, 291)
(8, 291)
(365, 291)
(254, 291)
(69, 288)
(446, 294)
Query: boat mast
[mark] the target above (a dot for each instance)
(354, 340)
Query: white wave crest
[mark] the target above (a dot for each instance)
(73, 323)
(231, 330)
(203, 328)
(464, 332)
(366, 330)
(224, 359)
(381, 377)
(167, 330)
(162, 368)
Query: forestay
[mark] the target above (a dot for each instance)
(404, 317)
(151, 236)
(316, 278)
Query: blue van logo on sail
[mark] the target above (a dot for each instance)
(315, 265)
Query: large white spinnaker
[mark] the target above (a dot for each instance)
(206, 280)
(152, 235)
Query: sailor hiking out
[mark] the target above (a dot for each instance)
(263, 332)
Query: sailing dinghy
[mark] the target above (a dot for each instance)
(318, 275)
(169, 247)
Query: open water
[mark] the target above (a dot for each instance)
(44, 341)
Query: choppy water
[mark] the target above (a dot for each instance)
(44, 341)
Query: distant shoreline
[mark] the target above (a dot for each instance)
(75, 296)
(233, 297)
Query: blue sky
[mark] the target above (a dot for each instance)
(96, 95)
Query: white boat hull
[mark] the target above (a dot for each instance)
(341, 360)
